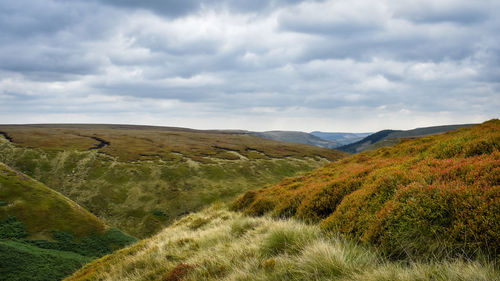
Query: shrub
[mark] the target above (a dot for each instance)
(244, 201)
(159, 213)
(11, 228)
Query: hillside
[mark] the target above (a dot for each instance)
(140, 178)
(219, 245)
(431, 196)
(29, 200)
(340, 138)
(44, 235)
(297, 137)
(393, 137)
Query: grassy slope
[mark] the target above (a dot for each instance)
(437, 195)
(42, 209)
(148, 176)
(219, 245)
(393, 137)
(30, 212)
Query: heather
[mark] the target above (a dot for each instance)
(435, 196)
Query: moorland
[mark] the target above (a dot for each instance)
(229, 205)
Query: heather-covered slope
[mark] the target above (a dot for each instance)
(219, 245)
(141, 178)
(437, 195)
(44, 235)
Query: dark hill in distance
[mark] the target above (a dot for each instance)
(392, 137)
(297, 137)
(141, 178)
(339, 137)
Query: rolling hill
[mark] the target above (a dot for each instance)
(44, 235)
(340, 138)
(393, 137)
(216, 244)
(140, 178)
(428, 197)
(297, 137)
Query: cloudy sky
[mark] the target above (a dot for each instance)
(342, 65)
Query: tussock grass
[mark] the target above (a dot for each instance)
(231, 246)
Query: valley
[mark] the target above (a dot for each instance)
(140, 178)
(228, 205)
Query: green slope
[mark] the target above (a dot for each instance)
(219, 245)
(24, 262)
(140, 179)
(44, 235)
(42, 209)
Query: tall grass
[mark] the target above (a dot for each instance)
(231, 246)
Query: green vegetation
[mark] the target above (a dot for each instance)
(20, 261)
(436, 196)
(45, 236)
(30, 200)
(231, 246)
(144, 171)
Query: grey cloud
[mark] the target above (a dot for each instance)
(166, 7)
(174, 9)
(50, 40)
(461, 12)
(308, 64)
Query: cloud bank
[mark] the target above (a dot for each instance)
(343, 65)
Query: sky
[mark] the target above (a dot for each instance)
(342, 65)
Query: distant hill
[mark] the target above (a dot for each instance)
(44, 235)
(298, 137)
(141, 178)
(434, 196)
(392, 137)
(340, 138)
